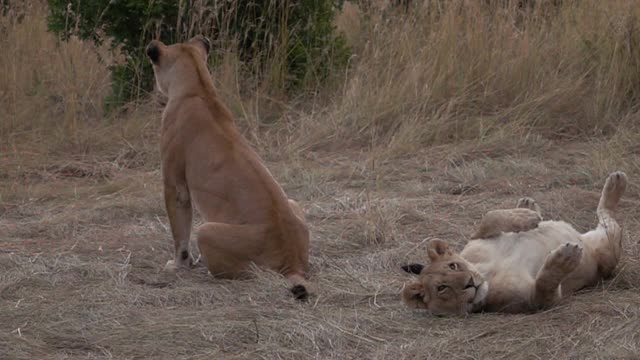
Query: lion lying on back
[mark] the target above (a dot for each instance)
(518, 263)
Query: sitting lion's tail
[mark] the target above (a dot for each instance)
(299, 287)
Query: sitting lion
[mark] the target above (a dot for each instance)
(518, 263)
(207, 164)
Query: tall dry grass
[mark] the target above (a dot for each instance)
(445, 71)
(462, 69)
(49, 90)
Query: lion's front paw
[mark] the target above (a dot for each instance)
(566, 257)
(523, 219)
(507, 220)
(529, 221)
(171, 266)
(528, 203)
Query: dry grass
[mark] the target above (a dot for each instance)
(84, 235)
(476, 70)
(47, 88)
(81, 262)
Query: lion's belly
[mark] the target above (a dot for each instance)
(510, 262)
(525, 251)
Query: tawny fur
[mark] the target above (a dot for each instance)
(209, 166)
(521, 271)
(496, 222)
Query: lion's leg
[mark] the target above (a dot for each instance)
(228, 251)
(179, 210)
(526, 216)
(560, 263)
(508, 220)
(606, 240)
(297, 210)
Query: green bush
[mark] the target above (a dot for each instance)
(295, 38)
(291, 42)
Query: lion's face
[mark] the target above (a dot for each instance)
(176, 61)
(448, 285)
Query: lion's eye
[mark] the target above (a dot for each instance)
(453, 266)
(442, 288)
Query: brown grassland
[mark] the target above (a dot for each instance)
(444, 113)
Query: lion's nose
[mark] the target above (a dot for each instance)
(470, 283)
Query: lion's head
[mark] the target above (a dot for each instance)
(448, 285)
(178, 62)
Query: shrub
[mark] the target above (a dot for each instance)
(292, 42)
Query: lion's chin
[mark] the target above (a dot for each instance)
(481, 295)
(477, 302)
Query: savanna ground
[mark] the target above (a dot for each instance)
(416, 144)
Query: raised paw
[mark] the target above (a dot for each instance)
(526, 220)
(617, 181)
(506, 220)
(528, 203)
(613, 189)
(565, 258)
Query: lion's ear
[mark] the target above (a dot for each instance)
(153, 50)
(438, 249)
(415, 296)
(415, 269)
